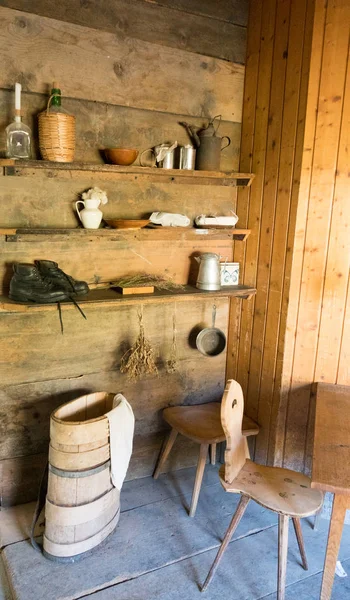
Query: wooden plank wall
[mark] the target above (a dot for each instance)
(295, 138)
(129, 71)
(317, 343)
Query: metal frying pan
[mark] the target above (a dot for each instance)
(211, 341)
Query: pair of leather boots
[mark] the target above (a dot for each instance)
(44, 283)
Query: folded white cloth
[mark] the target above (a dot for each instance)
(203, 220)
(169, 219)
(121, 432)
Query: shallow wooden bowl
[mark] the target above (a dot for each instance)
(127, 223)
(121, 156)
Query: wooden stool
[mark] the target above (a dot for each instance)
(285, 492)
(202, 424)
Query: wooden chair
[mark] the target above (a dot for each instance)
(202, 424)
(286, 492)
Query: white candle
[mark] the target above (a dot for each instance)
(18, 89)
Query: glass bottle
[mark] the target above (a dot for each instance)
(18, 134)
(55, 101)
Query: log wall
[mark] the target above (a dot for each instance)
(295, 139)
(129, 80)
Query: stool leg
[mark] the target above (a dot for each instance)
(203, 453)
(165, 452)
(213, 454)
(299, 533)
(283, 522)
(243, 503)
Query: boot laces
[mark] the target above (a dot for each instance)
(48, 276)
(60, 311)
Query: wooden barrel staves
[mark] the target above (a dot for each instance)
(82, 506)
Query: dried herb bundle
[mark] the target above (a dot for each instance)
(144, 280)
(139, 359)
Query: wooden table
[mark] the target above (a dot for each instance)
(331, 466)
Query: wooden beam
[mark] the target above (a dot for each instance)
(194, 28)
(231, 11)
(119, 235)
(110, 297)
(126, 72)
(95, 127)
(21, 168)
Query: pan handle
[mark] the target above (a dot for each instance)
(213, 316)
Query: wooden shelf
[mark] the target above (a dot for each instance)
(34, 168)
(110, 297)
(114, 235)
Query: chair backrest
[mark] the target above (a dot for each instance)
(237, 452)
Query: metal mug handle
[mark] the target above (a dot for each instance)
(227, 145)
(144, 152)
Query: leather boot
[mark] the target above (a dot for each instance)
(50, 271)
(27, 285)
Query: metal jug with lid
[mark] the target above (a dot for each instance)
(209, 145)
(209, 271)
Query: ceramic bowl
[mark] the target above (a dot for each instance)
(121, 156)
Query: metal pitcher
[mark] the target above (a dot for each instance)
(209, 145)
(209, 271)
(163, 156)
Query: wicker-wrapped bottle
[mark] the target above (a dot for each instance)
(56, 130)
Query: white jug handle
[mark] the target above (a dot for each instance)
(77, 209)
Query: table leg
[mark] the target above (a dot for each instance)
(340, 504)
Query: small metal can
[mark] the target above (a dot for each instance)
(187, 157)
(168, 161)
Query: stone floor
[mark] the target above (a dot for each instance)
(159, 553)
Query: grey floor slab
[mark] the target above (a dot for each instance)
(159, 553)
(15, 522)
(309, 588)
(147, 538)
(248, 571)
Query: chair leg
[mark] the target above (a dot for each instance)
(299, 533)
(213, 454)
(203, 453)
(165, 452)
(283, 523)
(243, 503)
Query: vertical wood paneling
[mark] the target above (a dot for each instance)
(338, 258)
(277, 117)
(343, 375)
(285, 170)
(269, 198)
(246, 166)
(255, 206)
(318, 228)
(297, 233)
(297, 330)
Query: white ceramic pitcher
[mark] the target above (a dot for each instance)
(91, 215)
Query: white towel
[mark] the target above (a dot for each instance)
(121, 432)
